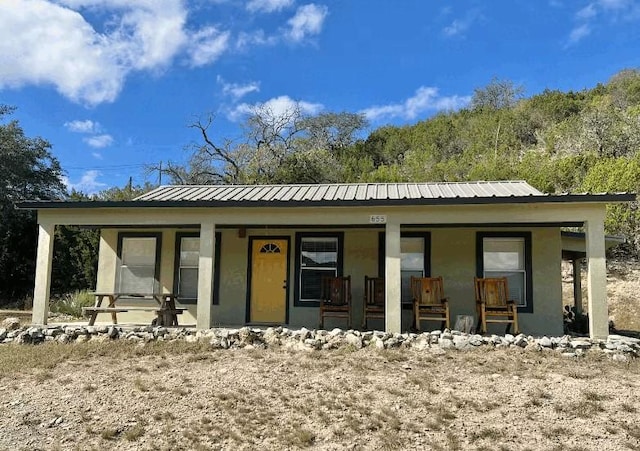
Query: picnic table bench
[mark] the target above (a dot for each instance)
(166, 311)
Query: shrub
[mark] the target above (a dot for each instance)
(72, 303)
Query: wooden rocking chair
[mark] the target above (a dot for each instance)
(493, 304)
(429, 302)
(335, 299)
(374, 296)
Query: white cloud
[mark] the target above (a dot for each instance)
(461, 26)
(87, 126)
(587, 12)
(276, 107)
(591, 16)
(307, 21)
(87, 49)
(208, 44)
(99, 141)
(97, 155)
(578, 33)
(237, 90)
(615, 4)
(52, 43)
(256, 37)
(268, 6)
(425, 99)
(88, 183)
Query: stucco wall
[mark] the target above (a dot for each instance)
(453, 256)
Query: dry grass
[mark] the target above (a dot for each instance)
(191, 397)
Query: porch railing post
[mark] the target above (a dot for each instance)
(44, 259)
(597, 277)
(393, 307)
(206, 267)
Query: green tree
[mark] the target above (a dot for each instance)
(618, 175)
(283, 147)
(28, 171)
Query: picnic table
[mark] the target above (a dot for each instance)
(166, 311)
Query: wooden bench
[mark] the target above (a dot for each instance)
(166, 311)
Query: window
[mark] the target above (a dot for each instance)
(188, 267)
(411, 264)
(139, 263)
(317, 256)
(187, 260)
(508, 255)
(414, 260)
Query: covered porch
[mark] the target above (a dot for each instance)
(368, 235)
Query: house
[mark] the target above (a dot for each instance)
(255, 254)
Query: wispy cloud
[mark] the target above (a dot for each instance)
(88, 182)
(460, 26)
(307, 21)
(236, 90)
(86, 126)
(597, 13)
(578, 33)
(425, 99)
(587, 12)
(277, 107)
(268, 6)
(99, 141)
(207, 46)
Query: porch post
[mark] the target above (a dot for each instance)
(42, 287)
(206, 267)
(577, 284)
(393, 307)
(597, 277)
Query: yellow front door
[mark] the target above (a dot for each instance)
(269, 281)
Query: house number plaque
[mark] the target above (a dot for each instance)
(378, 219)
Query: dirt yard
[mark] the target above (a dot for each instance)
(164, 396)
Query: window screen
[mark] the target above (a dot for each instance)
(504, 257)
(318, 259)
(138, 265)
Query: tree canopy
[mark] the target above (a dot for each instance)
(28, 171)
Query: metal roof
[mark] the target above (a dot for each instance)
(339, 194)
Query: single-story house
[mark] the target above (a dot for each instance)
(238, 255)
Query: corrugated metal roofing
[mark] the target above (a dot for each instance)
(338, 192)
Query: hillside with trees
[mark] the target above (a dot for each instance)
(586, 141)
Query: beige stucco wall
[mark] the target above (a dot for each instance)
(453, 256)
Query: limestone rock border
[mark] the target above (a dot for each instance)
(618, 347)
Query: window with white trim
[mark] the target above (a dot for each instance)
(188, 267)
(318, 258)
(505, 257)
(138, 262)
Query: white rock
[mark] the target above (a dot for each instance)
(11, 323)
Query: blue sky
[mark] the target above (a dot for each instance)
(113, 84)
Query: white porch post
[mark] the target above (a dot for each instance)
(42, 287)
(206, 267)
(393, 307)
(597, 278)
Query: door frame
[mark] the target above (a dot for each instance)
(247, 318)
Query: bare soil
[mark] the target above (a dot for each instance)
(169, 396)
(184, 396)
